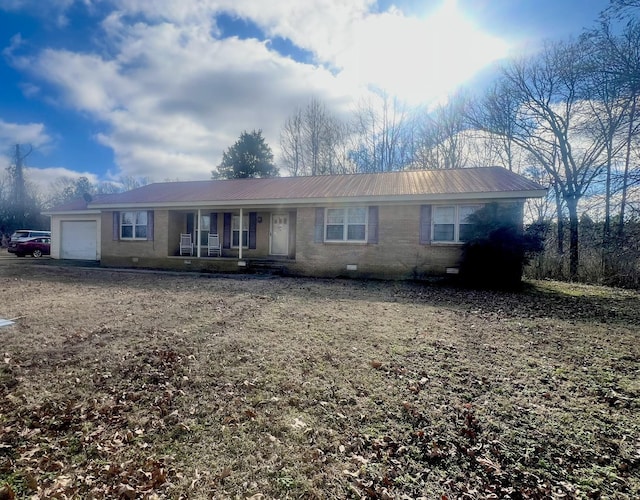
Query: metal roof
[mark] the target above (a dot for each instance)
(390, 186)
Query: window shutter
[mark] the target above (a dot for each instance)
(425, 224)
(190, 224)
(319, 227)
(150, 225)
(213, 223)
(292, 232)
(116, 226)
(372, 230)
(253, 216)
(226, 232)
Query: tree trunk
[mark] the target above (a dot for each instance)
(572, 206)
(606, 231)
(627, 161)
(560, 237)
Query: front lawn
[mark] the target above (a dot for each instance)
(147, 385)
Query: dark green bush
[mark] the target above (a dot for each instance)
(499, 249)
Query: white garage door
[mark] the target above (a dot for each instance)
(79, 240)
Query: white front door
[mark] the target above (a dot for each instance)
(279, 234)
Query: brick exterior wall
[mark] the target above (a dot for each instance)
(397, 255)
(156, 248)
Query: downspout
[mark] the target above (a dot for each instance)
(240, 237)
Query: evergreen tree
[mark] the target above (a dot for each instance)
(249, 157)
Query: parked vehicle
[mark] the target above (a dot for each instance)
(25, 234)
(32, 246)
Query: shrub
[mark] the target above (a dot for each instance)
(499, 249)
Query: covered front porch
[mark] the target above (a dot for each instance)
(245, 234)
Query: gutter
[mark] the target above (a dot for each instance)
(538, 193)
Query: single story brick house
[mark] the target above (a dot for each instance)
(397, 225)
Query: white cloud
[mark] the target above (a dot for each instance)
(87, 82)
(17, 133)
(418, 59)
(52, 10)
(44, 178)
(174, 98)
(173, 94)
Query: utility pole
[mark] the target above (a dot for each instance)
(18, 195)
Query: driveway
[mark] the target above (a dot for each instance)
(7, 259)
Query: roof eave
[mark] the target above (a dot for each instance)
(537, 193)
(93, 211)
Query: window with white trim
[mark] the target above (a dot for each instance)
(133, 225)
(235, 231)
(451, 224)
(346, 224)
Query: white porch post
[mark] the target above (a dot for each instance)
(197, 242)
(240, 242)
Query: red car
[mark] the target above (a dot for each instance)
(33, 246)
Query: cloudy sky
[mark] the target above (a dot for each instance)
(158, 89)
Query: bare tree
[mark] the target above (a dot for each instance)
(443, 137)
(621, 55)
(292, 144)
(550, 121)
(612, 99)
(313, 141)
(452, 125)
(65, 189)
(315, 129)
(383, 127)
(337, 147)
(499, 107)
(622, 8)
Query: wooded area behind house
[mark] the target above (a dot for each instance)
(566, 117)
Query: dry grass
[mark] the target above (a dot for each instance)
(141, 385)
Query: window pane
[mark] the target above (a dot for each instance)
(235, 222)
(356, 232)
(444, 215)
(235, 238)
(335, 216)
(128, 217)
(141, 218)
(141, 232)
(205, 223)
(245, 238)
(126, 232)
(465, 211)
(357, 215)
(335, 233)
(467, 231)
(443, 232)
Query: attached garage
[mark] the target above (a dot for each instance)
(75, 236)
(79, 240)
